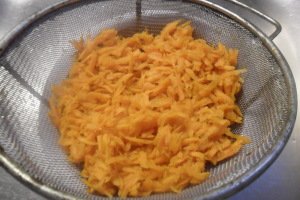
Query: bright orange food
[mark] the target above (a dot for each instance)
(145, 114)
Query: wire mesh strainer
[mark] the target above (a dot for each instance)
(37, 55)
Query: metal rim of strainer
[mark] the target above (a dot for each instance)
(223, 191)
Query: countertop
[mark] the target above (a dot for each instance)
(281, 180)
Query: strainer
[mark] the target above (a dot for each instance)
(37, 54)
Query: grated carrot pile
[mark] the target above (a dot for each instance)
(145, 114)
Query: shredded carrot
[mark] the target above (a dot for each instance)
(145, 114)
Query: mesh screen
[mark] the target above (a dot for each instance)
(41, 55)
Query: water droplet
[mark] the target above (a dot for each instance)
(294, 140)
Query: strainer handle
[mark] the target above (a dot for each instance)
(261, 15)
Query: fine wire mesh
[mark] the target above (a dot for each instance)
(41, 56)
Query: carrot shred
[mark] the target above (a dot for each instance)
(145, 114)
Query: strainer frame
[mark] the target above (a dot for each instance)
(222, 192)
